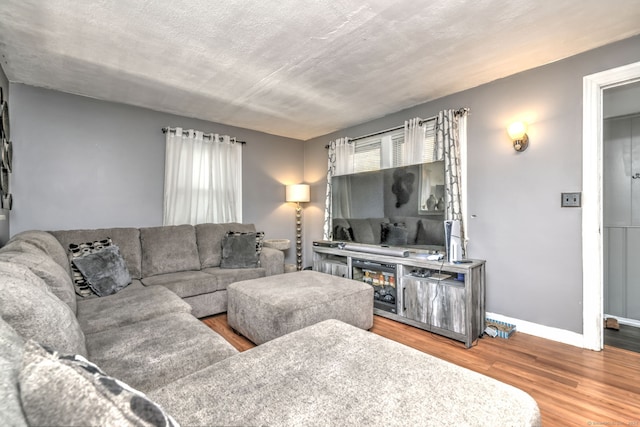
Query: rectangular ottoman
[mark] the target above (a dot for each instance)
(269, 307)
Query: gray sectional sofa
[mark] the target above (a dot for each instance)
(184, 259)
(66, 360)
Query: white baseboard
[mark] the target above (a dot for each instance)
(625, 321)
(547, 332)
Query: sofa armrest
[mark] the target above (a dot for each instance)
(272, 260)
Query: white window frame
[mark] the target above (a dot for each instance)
(388, 156)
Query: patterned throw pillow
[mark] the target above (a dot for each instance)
(241, 250)
(343, 233)
(104, 271)
(77, 250)
(69, 390)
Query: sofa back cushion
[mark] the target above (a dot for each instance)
(430, 232)
(127, 239)
(27, 304)
(210, 236)
(11, 349)
(367, 230)
(169, 249)
(43, 266)
(47, 243)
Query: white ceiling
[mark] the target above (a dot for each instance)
(297, 68)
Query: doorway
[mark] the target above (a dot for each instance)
(621, 215)
(592, 207)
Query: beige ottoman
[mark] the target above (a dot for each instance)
(269, 307)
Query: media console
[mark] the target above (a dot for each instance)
(437, 296)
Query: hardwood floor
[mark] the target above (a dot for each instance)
(628, 337)
(573, 387)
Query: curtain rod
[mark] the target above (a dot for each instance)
(458, 112)
(420, 123)
(206, 135)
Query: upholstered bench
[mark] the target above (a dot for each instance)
(269, 307)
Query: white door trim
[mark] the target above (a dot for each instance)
(592, 252)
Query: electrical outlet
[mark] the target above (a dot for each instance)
(571, 200)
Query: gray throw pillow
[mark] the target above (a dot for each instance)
(104, 271)
(64, 390)
(395, 234)
(241, 250)
(78, 250)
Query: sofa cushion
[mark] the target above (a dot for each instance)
(225, 276)
(11, 346)
(142, 355)
(105, 270)
(22, 246)
(69, 390)
(168, 249)
(48, 244)
(56, 277)
(367, 230)
(127, 239)
(430, 232)
(29, 306)
(332, 373)
(133, 304)
(362, 231)
(210, 237)
(185, 283)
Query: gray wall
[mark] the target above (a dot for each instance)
(4, 223)
(85, 163)
(532, 246)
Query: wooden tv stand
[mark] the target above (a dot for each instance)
(452, 306)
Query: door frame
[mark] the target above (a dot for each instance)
(592, 164)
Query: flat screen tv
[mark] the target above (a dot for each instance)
(373, 207)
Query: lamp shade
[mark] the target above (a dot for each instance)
(298, 193)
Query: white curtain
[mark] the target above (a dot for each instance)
(414, 135)
(203, 178)
(341, 160)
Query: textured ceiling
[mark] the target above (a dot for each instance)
(297, 68)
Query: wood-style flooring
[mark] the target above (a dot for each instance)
(573, 386)
(628, 337)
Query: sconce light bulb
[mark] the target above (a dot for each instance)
(517, 130)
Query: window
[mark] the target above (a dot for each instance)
(203, 178)
(387, 150)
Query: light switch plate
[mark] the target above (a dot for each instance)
(571, 200)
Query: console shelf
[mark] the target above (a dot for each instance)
(437, 296)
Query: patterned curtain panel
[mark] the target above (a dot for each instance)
(340, 162)
(447, 148)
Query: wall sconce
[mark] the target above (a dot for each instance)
(298, 193)
(518, 134)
